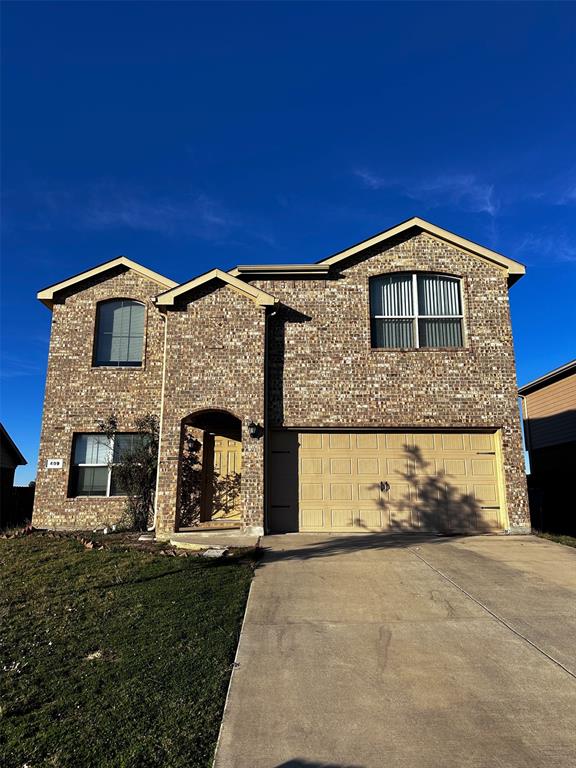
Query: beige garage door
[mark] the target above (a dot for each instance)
(398, 482)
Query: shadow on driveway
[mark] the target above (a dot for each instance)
(303, 546)
(299, 763)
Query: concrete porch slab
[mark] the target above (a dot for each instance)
(214, 540)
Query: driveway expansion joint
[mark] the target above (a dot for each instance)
(494, 615)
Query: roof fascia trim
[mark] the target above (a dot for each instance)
(549, 378)
(280, 270)
(261, 298)
(20, 460)
(514, 268)
(47, 295)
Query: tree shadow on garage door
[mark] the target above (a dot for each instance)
(432, 502)
(431, 509)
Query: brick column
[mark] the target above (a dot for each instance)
(167, 487)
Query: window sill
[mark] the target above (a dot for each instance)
(420, 349)
(117, 367)
(93, 498)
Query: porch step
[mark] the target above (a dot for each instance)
(210, 539)
(212, 526)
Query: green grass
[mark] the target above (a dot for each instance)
(560, 538)
(113, 658)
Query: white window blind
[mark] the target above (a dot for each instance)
(119, 333)
(416, 310)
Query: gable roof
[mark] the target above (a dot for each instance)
(549, 378)
(168, 298)
(514, 268)
(47, 295)
(8, 443)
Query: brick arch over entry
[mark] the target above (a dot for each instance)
(217, 420)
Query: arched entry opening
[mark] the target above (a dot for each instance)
(210, 470)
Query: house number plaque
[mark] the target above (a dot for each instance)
(54, 463)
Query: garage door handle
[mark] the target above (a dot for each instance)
(384, 486)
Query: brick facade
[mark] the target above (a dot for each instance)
(78, 394)
(322, 371)
(214, 360)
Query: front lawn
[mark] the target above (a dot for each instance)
(113, 658)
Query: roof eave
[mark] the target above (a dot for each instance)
(20, 460)
(514, 269)
(549, 378)
(259, 297)
(47, 295)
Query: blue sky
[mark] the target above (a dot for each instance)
(190, 135)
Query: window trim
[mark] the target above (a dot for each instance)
(110, 464)
(111, 366)
(416, 316)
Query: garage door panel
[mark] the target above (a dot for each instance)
(452, 442)
(341, 466)
(311, 466)
(369, 466)
(479, 442)
(370, 518)
(342, 518)
(397, 467)
(310, 441)
(311, 492)
(460, 491)
(455, 467)
(367, 441)
(397, 441)
(339, 441)
(401, 519)
(424, 441)
(340, 491)
(437, 481)
(489, 519)
(369, 491)
(483, 467)
(312, 519)
(485, 494)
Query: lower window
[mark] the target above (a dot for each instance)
(95, 460)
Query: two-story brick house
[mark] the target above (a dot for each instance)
(372, 390)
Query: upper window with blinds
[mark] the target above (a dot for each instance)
(119, 333)
(416, 310)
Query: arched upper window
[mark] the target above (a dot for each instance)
(416, 310)
(119, 333)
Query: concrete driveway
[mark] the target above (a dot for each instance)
(372, 651)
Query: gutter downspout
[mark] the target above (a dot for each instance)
(269, 312)
(164, 316)
(527, 441)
